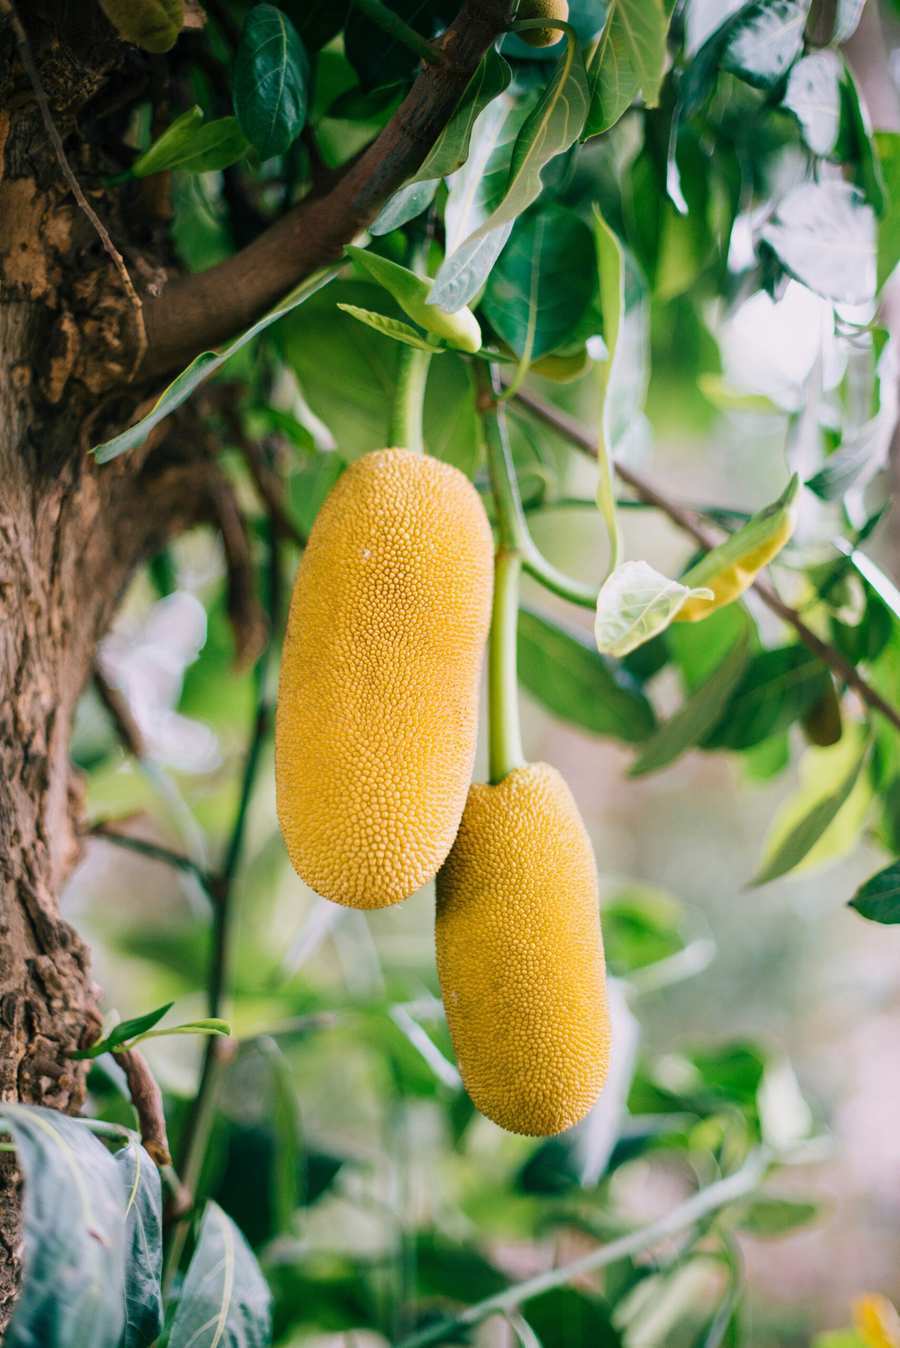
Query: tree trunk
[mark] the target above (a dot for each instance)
(70, 536)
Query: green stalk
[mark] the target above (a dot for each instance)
(409, 400)
(504, 732)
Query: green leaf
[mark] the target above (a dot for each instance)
(879, 898)
(451, 149)
(200, 369)
(728, 399)
(143, 1246)
(412, 292)
(194, 146)
(561, 669)
(777, 687)
(543, 282)
(784, 853)
(766, 1216)
(451, 426)
(813, 95)
(697, 716)
(857, 148)
(271, 75)
(887, 147)
(634, 604)
(563, 1317)
(224, 1299)
(125, 1030)
(391, 327)
(629, 59)
(551, 128)
(210, 1025)
(73, 1292)
(824, 235)
(152, 25)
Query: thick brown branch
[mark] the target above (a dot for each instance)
(199, 311)
(690, 523)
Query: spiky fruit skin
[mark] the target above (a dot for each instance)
(520, 955)
(543, 9)
(378, 701)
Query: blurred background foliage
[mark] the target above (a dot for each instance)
(343, 1145)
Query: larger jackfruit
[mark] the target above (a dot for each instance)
(520, 955)
(378, 703)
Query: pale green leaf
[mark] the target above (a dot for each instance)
(201, 367)
(824, 235)
(194, 146)
(634, 604)
(224, 1300)
(391, 327)
(552, 127)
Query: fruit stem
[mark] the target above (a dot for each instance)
(409, 400)
(504, 731)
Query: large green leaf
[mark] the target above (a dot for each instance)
(785, 852)
(696, 717)
(629, 59)
(73, 1293)
(200, 369)
(543, 282)
(143, 1246)
(561, 669)
(552, 127)
(271, 74)
(824, 235)
(879, 898)
(224, 1302)
(451, 149)
(776, 688)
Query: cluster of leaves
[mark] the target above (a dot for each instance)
(602, 206)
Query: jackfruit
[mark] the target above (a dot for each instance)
(378, 700)
(520, 954)
(543, 9)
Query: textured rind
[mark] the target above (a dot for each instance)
(543, 9)
(378, 702)
(520, 955)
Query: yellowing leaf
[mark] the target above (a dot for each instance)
(877, 1321)
(728, 570)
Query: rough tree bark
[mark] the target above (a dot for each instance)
(71, 534)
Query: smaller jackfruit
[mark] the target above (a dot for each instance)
(520, 954)
(542, 9)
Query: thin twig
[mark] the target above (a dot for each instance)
(106, 830)
(218, 1052)
(110, 248)
(116, 704)
(147, 1100)
(687, 1214)
(688, 521)
(268, 484)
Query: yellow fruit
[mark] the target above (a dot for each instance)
(378, 703)
(543, 9)
(520, 955)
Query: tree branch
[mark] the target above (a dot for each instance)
(688, 521)
(701, 1204)
(199, 311)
